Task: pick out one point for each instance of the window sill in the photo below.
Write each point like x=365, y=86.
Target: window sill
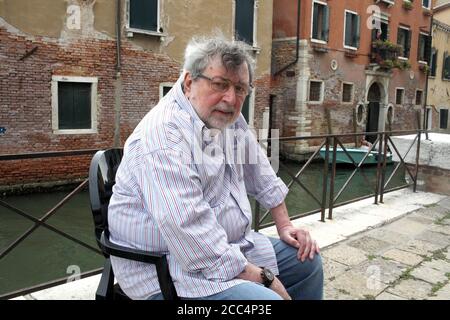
x=131, y=31
x=75, y=131
x=403, y=58
x=318, y=41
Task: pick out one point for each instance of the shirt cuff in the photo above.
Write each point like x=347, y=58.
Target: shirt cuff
x=228, y=266
x=273, y=195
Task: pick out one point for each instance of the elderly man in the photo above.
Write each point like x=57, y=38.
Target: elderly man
x=173, y=196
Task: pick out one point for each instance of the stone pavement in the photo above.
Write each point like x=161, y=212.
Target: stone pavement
x=397, y=249
x=405, y=259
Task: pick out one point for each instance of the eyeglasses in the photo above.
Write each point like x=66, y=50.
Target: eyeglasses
x=222, y=85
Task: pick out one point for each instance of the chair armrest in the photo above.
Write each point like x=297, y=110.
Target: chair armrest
x=159, y=260
x=105, y=288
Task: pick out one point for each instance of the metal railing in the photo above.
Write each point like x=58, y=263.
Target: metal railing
x=383, y=142
x=42, y=221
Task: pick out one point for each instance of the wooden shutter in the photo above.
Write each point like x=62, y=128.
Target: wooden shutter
x=315, y=33
x=427, y=55
x=357, y=30
x=326, y=23
x=348, y=29
x=244, y=20
x=443, y=118
x=444, y=65
x=408, y=43
x=74, y=105
x=144, y=14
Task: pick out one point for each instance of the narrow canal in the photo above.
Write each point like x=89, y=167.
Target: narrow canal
x=45, y=256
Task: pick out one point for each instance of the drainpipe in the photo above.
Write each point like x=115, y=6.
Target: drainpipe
x=425, y=116
x=297, y=42
x=118, y=84
x=118, y=34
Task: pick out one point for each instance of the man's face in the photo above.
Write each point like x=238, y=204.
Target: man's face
x=217, y=109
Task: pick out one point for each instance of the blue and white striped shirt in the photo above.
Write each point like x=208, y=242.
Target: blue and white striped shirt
x=193, y=206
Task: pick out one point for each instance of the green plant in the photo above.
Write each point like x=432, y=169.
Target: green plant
x=407, y=5
x=425, y=68
x=387, y=64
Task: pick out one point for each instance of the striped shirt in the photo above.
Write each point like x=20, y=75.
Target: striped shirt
x=182, y=193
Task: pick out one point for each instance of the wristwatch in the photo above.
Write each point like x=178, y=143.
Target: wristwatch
x=267, y=277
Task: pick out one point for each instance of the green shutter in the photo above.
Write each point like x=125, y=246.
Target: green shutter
x=144, y=14
x=74, y=105
x=326, y=23
x=408, y=43
x=357, y=31
x=244, y=17
x=315, y=33
x=444, y=65
x=348, y=29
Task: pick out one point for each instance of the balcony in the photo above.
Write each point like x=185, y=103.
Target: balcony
x=385, y=54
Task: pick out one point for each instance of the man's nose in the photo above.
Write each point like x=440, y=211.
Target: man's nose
x=230, y=95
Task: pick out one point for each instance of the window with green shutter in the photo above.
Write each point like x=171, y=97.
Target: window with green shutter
x=433, y=62
x=424, y=48
x=352, y=31
x=446, y=66
x=320, y=23
x=143, y=14
x=74, y=105
x=244, y=17
x=404, y=40
x=443, y=118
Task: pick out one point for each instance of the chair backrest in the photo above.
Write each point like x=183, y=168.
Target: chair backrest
x=102, y=177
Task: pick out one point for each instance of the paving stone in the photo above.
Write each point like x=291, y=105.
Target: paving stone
x=404, y=257
x=331, y=293
x=445, y=203
x=331, y=268
x=407, y=227
x=358, y=285
x=421, y=218
x=428, y=274
x=444, y=229
x=411, y=289
x=345, y=254
x=420, y=247
x=388, y=296
x=442, y=294
x=439, y=265
x=434, y=237
x=369, y=244
x=387, y=271
x=435, y=212
x=389, y=236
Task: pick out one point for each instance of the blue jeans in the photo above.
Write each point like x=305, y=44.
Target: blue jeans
x=302, y=280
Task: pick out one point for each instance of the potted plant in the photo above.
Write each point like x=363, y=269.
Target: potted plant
x=407, y=4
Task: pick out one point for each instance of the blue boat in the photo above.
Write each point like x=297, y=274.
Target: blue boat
x=356, y=154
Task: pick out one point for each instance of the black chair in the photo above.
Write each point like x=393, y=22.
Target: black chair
x=102, y=173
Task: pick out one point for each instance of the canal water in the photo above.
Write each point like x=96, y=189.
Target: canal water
x=46, y=256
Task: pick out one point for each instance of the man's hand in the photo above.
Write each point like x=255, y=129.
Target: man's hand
x=301, y=239
x=253, y=273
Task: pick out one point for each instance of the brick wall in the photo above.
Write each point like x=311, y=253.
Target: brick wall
x=25, y=99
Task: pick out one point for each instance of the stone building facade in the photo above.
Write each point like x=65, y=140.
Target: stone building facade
x=80, y=74
x=340, y=81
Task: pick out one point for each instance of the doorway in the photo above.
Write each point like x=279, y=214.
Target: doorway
x=373, y=111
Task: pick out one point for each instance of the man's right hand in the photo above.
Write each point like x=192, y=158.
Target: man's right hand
x=253, y=273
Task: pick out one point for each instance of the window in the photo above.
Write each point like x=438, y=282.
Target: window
x=74, y=104
x=351, y=35
x=404, y=40
x=164, y=88
x=347, y=92
x=424, y=48
x=418, y=97
x=426, y=3
x=399, y=94
x=143, y=15
x=244, y=20
x=320, y=23
x=443, y=118
x=433, y=62
x=446, y=67
x=382, y=33
x=315, y=91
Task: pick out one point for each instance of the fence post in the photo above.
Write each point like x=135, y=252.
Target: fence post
x=333, y=175
x=417, y=160
x=377, y=185
x=383, y=171
x=325, y=179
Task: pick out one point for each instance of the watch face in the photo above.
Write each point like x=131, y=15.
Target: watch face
x=269, y=274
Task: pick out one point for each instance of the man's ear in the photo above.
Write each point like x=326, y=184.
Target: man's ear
x=187, y=82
